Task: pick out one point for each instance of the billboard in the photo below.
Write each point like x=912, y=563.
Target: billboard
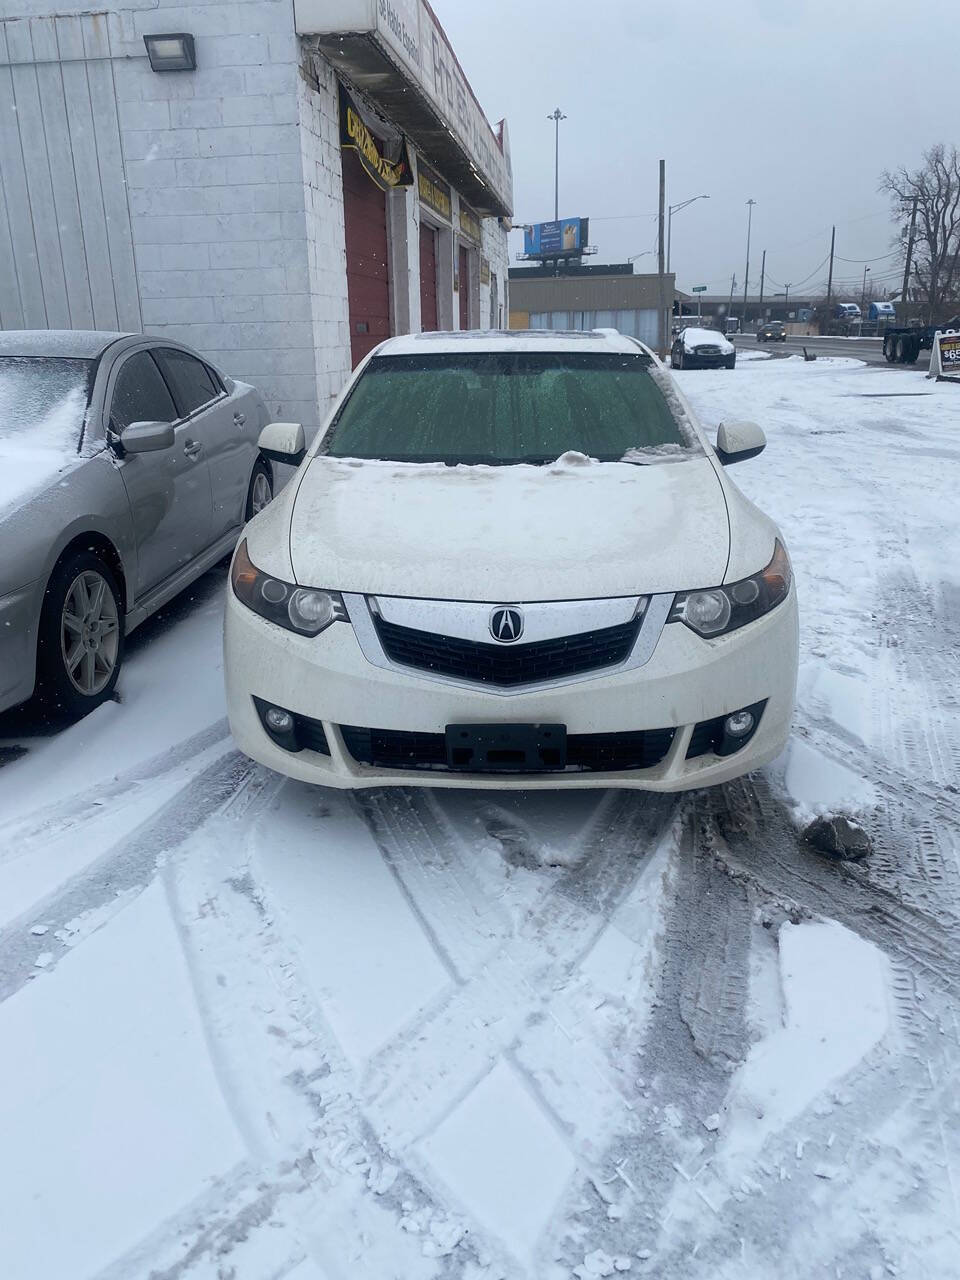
x=564, y=239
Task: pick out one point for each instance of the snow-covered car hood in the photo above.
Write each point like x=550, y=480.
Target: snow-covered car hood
x=26, y=470
x=693, y=338
x=522, y=533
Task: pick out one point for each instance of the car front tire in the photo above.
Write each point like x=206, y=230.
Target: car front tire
x=260, y=492
x=81, y=637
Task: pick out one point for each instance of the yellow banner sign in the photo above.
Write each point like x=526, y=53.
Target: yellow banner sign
x=354, y=133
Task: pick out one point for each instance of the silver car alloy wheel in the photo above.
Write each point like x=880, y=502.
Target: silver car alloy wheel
x=89, y=633
x=262, y=494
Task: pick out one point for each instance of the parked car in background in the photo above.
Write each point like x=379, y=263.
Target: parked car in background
x=846, y=312
x=772, y=331
x=702, y=349
x=627, y=617
x=128, y=465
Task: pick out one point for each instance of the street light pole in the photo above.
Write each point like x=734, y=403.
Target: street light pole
x=746, y=276
x=556, y=116
x=671, y=210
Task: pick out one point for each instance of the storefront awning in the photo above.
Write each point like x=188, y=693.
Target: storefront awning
x=398, y=55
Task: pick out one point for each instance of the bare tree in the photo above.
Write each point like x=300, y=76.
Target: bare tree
x=935, y=186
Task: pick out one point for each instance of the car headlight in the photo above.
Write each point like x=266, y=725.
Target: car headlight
x=306, y=610
x=718, y=610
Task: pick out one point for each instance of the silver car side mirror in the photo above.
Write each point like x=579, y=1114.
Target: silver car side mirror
x=147, y=437
x=283, y=442
x=737, y=441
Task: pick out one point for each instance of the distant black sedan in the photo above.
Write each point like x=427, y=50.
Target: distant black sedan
x=772, y=331
x=702, y=349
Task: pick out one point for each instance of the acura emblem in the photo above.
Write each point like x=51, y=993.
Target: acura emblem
x=506, y=624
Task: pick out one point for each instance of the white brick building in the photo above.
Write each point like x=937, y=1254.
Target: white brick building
x=218, y=206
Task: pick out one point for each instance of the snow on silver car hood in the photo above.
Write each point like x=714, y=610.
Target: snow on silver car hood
x=509, y=533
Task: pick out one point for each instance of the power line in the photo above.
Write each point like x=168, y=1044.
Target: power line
x=879, y=258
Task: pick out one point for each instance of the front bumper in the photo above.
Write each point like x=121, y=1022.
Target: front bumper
x=686, y=681
x=712, y=359
x=19, y=619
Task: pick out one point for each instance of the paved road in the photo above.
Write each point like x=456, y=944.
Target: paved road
x=868, y=349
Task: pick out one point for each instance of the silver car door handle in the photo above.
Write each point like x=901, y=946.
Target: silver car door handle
x=239, y=418
x=192, y=448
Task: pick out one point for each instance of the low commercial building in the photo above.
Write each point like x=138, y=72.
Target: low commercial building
x=279, y=185
x=607, y=296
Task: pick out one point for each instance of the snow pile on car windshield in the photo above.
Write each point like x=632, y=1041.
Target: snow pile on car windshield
x=693, y=338
x=509, y=407
x=42, y=403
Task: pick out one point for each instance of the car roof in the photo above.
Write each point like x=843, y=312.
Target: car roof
x=487, y=340
x=70, y=344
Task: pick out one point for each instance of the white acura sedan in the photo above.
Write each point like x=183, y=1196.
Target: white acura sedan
x=511, y=560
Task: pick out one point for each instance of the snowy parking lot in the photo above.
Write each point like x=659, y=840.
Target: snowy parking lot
x=254, y=1029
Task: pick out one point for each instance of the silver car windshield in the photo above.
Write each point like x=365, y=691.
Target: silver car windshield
x=43, y=399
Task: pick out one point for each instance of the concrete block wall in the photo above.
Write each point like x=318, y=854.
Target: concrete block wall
x=215, y=185
x=325, y=243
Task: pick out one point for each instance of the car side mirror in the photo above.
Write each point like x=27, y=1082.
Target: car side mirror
x=737, y=441
x=283, y=442
x=147, y=437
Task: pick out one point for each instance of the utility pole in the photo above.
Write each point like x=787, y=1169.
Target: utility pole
x=863, y=297
x=556, y=116
x=786, y=296
x=746, y=277
x=833, y=241
x=909, y=262
x=663, y=327
x=763, y=272
x=733, y=285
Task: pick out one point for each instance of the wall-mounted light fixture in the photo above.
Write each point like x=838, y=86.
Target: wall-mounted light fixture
x=173, y=52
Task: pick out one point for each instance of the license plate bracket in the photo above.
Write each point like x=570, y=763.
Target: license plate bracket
x=506, y=748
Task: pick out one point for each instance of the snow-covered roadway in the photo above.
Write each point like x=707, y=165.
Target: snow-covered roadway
x=249, y=1029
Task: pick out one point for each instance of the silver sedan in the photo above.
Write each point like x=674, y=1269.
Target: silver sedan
x=128, y=466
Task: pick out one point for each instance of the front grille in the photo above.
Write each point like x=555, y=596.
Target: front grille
x=508, y=665
x=589, y=752
x=395, y=749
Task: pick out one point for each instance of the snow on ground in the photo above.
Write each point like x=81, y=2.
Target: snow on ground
x=250, y=1029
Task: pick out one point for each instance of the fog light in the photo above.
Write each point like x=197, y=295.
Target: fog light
x=739, y=724
x=281, y=721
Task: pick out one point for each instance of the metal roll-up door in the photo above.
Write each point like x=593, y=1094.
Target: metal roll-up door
x=429, y=321
x=368, y=285
x=464, y=289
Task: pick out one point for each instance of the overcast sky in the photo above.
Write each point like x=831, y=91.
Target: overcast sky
x=799, y=104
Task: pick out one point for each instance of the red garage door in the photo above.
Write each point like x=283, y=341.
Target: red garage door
x=464, y=289
x=368, y=288
x=428, y=279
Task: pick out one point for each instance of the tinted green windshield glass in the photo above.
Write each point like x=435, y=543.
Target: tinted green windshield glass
x=504, y=407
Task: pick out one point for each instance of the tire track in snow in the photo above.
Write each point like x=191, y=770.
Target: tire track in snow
x=72, y=812
x=760, y=846
x=357, y=1210
x=421, y=1076
x=834, y=1185
x=680, y=1066
x=128, y=866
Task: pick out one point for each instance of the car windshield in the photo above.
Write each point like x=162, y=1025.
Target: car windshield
x=42, y=400
x=502, y=408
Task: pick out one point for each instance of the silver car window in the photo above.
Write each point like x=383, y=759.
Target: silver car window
x=190, y=380
x=140, y=394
